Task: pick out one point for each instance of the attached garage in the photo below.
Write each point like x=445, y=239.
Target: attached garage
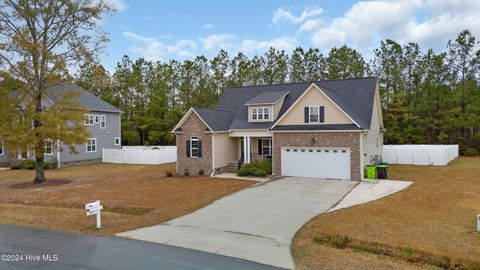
x=321, y=162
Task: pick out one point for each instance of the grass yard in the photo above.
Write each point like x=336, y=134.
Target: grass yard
x=133, y=196
x=436, y=214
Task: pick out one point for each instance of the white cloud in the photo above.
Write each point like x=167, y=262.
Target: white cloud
x=152, y=49
x=282, y=43
x=366, y=23
x=119, y=5
x=282, y=14
x=208, y=26
x=310, y=25
x=217, y=42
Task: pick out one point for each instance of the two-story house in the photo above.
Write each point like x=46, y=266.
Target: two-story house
x=325, y=129
x=102, y=119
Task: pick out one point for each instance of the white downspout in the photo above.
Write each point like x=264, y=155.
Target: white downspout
x=58, y=154
x=213, y=154
x=362, y=159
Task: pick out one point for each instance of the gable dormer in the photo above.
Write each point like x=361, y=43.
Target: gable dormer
x=314, y=107
x=265, y=106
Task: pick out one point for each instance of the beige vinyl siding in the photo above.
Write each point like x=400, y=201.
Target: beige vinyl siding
x=225, y=149
x=373, y=139
x=270, y=107
x=314, y=97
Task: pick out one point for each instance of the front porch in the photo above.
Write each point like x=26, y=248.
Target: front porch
x=246, y=149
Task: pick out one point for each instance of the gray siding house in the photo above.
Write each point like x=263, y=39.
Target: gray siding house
x=102, y=120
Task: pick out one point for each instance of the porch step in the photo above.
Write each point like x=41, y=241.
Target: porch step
x=231, y=167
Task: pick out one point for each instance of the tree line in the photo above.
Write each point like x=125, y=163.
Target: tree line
x=427, y=96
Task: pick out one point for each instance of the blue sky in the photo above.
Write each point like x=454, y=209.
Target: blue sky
x=162, y=30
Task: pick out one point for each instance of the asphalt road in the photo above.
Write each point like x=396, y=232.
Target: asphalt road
x=32, y=248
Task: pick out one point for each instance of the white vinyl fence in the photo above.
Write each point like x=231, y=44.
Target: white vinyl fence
x=420, y=154
x=140, y=155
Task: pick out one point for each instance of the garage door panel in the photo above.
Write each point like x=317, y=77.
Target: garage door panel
x=316, y=162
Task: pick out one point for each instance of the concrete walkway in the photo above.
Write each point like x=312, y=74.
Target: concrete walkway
x=235, y=176
x=370, y=191
x=255, y=224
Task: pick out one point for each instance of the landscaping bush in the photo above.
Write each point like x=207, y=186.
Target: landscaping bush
x=470, y=152
x=201, y=172
x=264, y=165
x=29, y=164
x=16, y=167
x=243, y=172
x=51, y=164
x=252, y=170
x=260, y=173
x=169, y=174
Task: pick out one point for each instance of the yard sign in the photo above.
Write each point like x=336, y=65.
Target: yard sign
x=94, y=209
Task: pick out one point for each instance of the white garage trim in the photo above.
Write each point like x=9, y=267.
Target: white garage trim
x=320, y=162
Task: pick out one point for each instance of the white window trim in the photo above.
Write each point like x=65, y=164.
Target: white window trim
x=104, y=121
x=91, y=140
x=117, y=141
x=191, y=147
x=97, y=119
x=87, y=120
x=258, y=114
x=51, y=149
x=310, y=114
x=2, y=152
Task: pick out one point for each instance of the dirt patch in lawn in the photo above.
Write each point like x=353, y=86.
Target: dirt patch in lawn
x=134, y=196
x=50, y=183
x=436, y=214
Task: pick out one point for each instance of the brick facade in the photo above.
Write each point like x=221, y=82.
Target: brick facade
x=193, y=126
x=322, y=139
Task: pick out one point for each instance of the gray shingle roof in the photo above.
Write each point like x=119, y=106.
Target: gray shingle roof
x=267, y=98
x=85, y=99
x=215, y=119
x=354, y=96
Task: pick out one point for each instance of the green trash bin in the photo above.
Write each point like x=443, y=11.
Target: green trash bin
x=371, y=172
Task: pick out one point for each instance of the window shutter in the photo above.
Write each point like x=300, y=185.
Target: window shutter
x=188, y=148
x=322, y=114
x=307, y=115
x=199, y=148
x=260, y=147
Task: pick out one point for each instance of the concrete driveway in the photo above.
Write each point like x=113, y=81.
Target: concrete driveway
x=255, y=224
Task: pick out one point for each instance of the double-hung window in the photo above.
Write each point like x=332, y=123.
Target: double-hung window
x=103, y=121
x=48, y=148
x=117, y=140
x=314, y=114
x=266, y=146
x=194, y=147
x=89, y=119
x=254, y=114
x=97, y=118
x=91, y=145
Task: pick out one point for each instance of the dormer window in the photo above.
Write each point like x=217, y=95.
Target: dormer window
x=262, y=113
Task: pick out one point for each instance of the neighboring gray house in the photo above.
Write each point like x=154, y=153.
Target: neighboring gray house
x=102, y=120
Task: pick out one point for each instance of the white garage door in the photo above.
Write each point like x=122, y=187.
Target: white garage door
x=316, y=162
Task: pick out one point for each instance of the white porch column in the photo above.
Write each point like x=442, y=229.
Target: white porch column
x=246, y=149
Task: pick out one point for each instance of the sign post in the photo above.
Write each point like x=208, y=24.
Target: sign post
x=94, y=209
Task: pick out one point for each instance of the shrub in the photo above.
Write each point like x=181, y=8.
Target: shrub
x=201, y=172
x=470, y=152
x=260, y=173
x=51, y=164
x=169, y=174
x=16, y=167
x=29, y=164
x=264, y=165
x=252, y=170
x=243, y=172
